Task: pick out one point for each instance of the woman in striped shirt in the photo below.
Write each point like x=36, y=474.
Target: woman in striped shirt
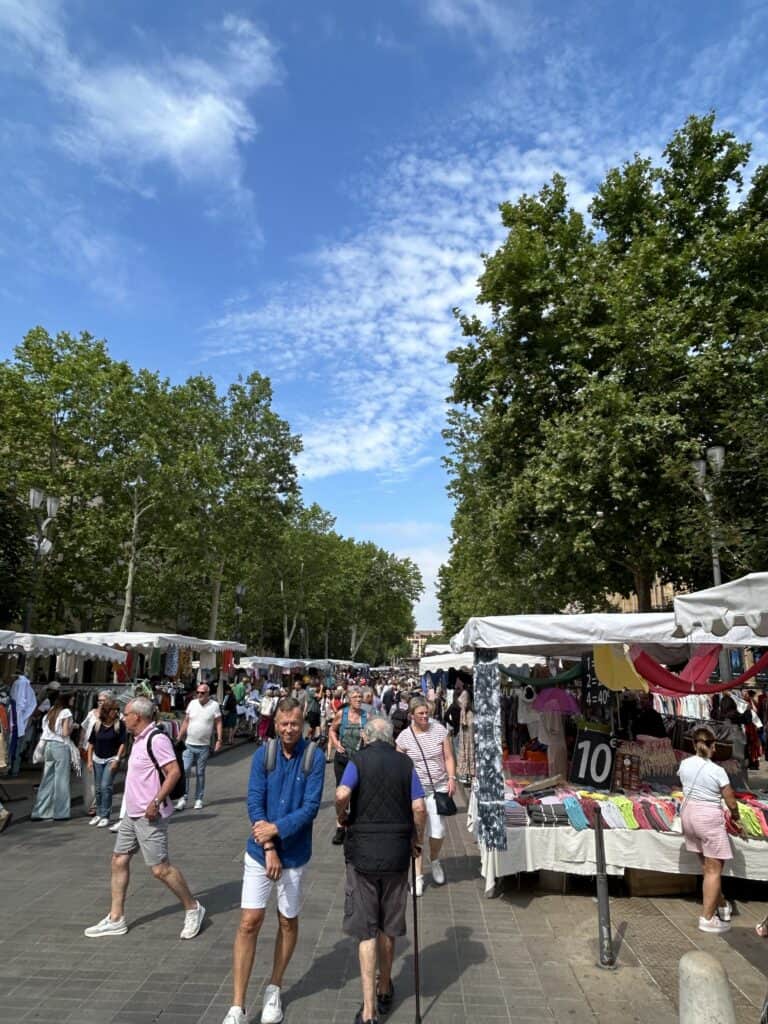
x=429, y=746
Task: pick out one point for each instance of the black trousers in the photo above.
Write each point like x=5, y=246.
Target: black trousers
x=339, y=764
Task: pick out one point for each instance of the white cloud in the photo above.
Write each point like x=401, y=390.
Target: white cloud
x=186, y=112
x=509, y=25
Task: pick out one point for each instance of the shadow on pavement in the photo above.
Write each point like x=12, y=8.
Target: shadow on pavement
x=440, y=964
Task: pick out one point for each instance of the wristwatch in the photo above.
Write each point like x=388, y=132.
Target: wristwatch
x=268, y=848
x=156, y=802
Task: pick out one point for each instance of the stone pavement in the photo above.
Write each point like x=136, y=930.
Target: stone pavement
x=525, y=956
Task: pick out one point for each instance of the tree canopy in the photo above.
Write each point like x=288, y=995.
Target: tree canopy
x=615, y=350
x=179, y=509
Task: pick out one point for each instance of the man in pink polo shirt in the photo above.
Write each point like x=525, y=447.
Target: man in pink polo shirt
x=145, y=825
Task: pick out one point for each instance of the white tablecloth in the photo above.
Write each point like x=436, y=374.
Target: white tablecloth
x=565, y=849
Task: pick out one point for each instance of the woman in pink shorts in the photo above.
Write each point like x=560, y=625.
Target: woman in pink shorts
x=705, y=786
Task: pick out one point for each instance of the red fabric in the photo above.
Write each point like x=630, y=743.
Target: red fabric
x=702, y=664
x=227, y=662
x=663, y=681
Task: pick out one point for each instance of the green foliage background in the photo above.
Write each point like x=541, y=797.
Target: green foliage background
x=615, y=350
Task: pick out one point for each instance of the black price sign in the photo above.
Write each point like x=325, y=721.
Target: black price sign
x=595, y=696
x=593, y=757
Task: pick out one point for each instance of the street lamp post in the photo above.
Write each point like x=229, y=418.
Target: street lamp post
x=41, y=543
x=712, y=465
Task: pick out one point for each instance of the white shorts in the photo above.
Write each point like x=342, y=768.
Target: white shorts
x=435, y=825
x=257, y=887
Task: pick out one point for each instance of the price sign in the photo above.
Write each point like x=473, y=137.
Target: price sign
x=596, y=698
x=593, y=757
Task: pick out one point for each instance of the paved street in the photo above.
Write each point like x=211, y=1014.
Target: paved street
x=522, y=957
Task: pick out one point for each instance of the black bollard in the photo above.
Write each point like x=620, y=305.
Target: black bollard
x=605, y=939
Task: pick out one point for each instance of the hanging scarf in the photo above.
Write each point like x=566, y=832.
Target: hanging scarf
x=662, y=680
x=564, y=677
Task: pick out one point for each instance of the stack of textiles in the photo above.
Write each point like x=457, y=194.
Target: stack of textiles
x=514, y=813
x=549, y=814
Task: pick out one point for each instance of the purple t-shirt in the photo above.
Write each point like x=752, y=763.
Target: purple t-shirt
x=350, y=779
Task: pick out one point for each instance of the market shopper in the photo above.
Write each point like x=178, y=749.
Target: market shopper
x=381, y=799
x=106, y=748
x=53, y=795
x=705, y=784
x=429, y=747
x=145, y=825
x=86, y=727
x=284, y=793
x=345, y=736
x=202, y=717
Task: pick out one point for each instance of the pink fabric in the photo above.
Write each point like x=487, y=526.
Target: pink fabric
x=702, y=664
x=142, y=783
x=704, y=830
x=668, y=684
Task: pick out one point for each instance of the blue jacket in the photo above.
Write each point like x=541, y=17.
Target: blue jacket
x=288, y=799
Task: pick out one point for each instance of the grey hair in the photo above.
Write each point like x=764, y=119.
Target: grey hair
x=417, y=702
x=143, y=707
x=106, y=693
x=378, y=728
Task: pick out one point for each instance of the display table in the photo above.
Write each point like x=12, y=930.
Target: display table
x=565, y=849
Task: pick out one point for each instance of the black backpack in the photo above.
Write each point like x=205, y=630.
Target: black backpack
x=270, y=756
x=399, y=719
x=180, y=788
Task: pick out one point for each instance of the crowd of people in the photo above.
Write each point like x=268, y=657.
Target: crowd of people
x=389, y=785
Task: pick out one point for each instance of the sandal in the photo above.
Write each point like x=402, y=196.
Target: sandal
x=762, y=929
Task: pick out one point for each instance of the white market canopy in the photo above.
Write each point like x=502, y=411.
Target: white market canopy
x=742, y=602
x=257, y=661
x=138, y=641
x=6, y=638
x=42, y=644
x=437, y=649
x=573, y=635
x=465, y=660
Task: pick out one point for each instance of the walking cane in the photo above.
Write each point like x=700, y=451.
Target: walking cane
x=416, y=982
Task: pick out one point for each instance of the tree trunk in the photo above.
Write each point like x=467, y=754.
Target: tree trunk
x=127, y=618
x=213, y=622
x=356, y=642
x=643, y=591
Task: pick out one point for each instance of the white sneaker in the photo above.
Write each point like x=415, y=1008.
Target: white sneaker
x=198, y=805
x=106, y=927
x=103, y=822
x=193, y=920
x=236, y=1015
x=419, y=886
x=115, y=827
x=438, y=874
x=272, y=1009
x=714, y=925
x=725, y=913
x=181, y=804
x=94, y=820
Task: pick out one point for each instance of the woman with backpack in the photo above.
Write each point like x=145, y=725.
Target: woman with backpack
x=346, y=737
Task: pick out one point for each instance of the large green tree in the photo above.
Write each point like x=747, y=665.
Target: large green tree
x=615, y=350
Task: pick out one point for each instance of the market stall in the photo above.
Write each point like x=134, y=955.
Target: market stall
x=552, y=829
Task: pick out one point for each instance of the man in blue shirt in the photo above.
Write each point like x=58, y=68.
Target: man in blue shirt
x=283, y=802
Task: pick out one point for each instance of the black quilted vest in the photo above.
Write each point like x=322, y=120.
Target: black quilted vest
x=378, y=840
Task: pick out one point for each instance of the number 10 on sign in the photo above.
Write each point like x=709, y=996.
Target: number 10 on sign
x=593, y=756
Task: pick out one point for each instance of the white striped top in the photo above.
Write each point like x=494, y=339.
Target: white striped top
x=431, y=743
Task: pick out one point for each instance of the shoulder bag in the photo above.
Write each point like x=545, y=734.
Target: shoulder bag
x=443, y=801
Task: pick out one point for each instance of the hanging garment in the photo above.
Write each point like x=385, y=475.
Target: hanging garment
x=661, y=678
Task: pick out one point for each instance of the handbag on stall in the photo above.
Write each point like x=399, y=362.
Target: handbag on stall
x=444, y=803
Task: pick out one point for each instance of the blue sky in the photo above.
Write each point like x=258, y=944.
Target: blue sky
x=304, y=188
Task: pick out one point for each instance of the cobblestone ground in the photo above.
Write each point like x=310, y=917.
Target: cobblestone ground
x=525, y=956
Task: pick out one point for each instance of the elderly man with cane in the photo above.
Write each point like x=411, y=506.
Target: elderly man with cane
x=381, y=801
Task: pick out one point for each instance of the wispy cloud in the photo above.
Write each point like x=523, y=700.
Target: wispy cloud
x=508, y=24
x=187, y=112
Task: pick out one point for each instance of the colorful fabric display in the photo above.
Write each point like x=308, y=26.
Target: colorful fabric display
x=624, y=805
x=548, y=814
x=661, y=678
x=514, y=814
x=612, y=816
x=615, y=670
x=576, y=815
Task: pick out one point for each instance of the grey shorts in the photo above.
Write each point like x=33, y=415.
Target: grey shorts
x=374, y=903
x=151, y=837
